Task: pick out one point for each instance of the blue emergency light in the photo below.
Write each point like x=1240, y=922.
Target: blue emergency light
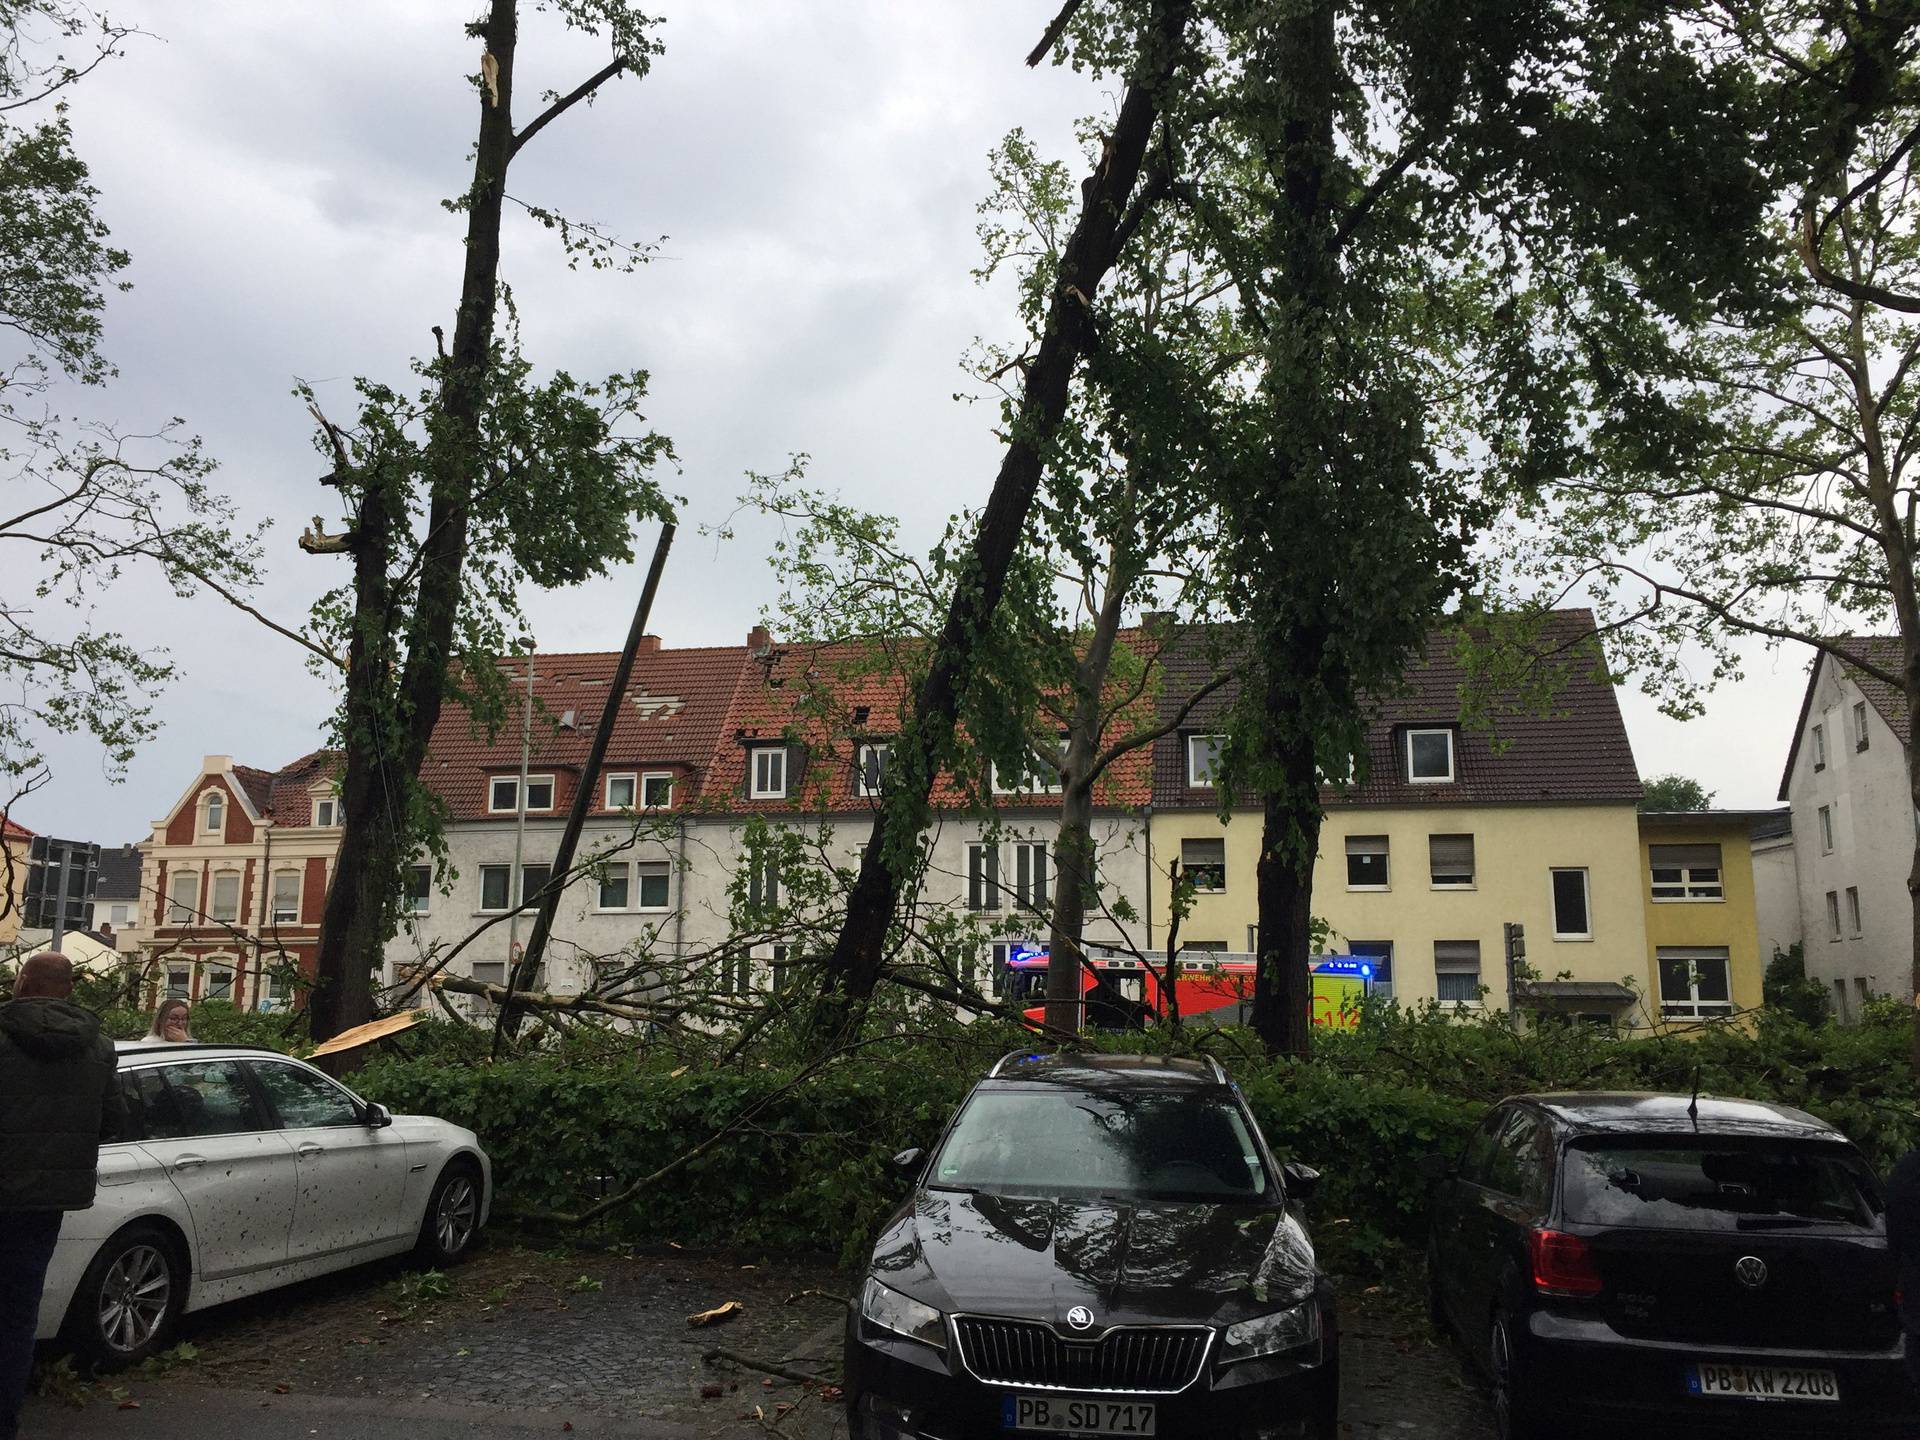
x=1337, y=966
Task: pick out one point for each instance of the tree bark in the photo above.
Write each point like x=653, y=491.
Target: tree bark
x=1283, y=882
x=1098, y=235
x=383, y=762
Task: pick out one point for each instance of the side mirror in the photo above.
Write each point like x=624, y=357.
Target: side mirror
x=377, y=1117
x=908, y=1162
x=1435, y=1168
x=1302, y=1180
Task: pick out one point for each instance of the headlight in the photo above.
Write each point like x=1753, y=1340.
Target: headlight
x=1287, y=1329
x=891, y=1310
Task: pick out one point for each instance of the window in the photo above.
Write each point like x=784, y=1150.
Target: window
x=1030, y=890
x=1380, y=954
x=326, y=813
x=184, y=898
x=1366, y=862
x=783, y=968
x=1859, y=724
x=179, y=980
x=1456, y=971
x=1036, y=777
x=653, y=884
x=216, y=981
x=1571, y=917
x=736, y=974
x=870, y=768
x=1833, y=915
x=1853, y=909
x=490, y=972
x=210, y=1098
x=1451, y=859
x=621, y=791
x=286, y=897
x=613, y=887
x=1693, y=984
x=495, y=886
x=1430, y=757
x=1204, y=862
x=216, y=814
x=763, y=881
x=1203, y=759
x=540, y=792
x=983, y=877
x=419, y=888
x=1826, y=830
x=1840, y=1001
x=272, y=992
x=122, y=915
x=1819, y=747
x=503, y=794
x=656, y=790
x=1685, y=872
x=226, y=896
x=768, y=768
x=304, y=1100
x=1862, y=991
x=533, y=879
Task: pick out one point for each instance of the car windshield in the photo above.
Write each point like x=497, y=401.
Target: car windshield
x=1692, y=1185
x=1136, y=1145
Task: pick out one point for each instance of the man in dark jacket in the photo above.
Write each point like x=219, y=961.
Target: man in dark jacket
x=58, y=1099
x=1903, y=1238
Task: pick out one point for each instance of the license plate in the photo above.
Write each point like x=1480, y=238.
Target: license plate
x=1761, y=1382
x=1076, y=1415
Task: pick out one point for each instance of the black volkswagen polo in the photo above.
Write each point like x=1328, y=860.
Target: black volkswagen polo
x=1100, y=1245
x=1654, y=1261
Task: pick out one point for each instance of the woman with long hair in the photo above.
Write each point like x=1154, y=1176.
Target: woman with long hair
x=170, y=1022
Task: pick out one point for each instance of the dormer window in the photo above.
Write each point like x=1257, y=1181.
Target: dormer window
x=767, y=772
x=1430, y=757
x=1203, y=759
x=1037, y=777
x=216, y=814
x=326, y=812
x=503, y=793
x=870, y=769
x=656, y=790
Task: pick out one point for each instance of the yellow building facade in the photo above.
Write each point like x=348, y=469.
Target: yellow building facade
x=1703, y=934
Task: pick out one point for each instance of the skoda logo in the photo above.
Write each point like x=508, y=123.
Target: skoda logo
x=1081, y=1318
x=1750, y=1271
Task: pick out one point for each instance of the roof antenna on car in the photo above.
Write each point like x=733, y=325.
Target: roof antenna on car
x=1693, y=1105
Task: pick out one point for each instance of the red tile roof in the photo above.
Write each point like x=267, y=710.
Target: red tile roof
x=674, y=710
x=1575, y=751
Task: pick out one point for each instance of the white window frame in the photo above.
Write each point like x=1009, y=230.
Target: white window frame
x=861, y=753
x=1187, y=868
x=647, y=777
x=1032, y=884
x=644, y=869
x=620, y=870
x=213, y=896
x=272, y=994
x=1030, y=784
x=1386, y=852
x=1853, y=911
x=1472, y=882
x=1819, y=747
x=1195, y=780
x=1687, y=884
x=1826, y=829
x=120, y=915
x=213, y=813
x=632, y=780
x=191, y=908
x=426, y=896
x=480, y=902
x=494, y=807
x=171, y=966
x=1453, y=759
x=326, y=811
x=1860, y=722
x=1833, y=916
x=1479, y=974
x=1553, y=900
x=774, y=787
x=1693, y=1007
x=553, y=794
x=207, y=965
x=273, y=897
x=991, y=897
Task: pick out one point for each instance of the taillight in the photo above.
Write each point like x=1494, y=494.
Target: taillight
x=1562, y=1264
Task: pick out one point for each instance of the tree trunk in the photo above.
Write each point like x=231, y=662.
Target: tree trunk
x=853, y=968
x=381, y=771
x=1289, y=843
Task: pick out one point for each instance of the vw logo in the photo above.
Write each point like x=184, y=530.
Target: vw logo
x=1750, y=1271
x=1081, y=1318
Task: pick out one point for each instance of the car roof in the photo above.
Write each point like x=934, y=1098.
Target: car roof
x=1628, y=1112
x=1097, y=1071
x=144, y=1048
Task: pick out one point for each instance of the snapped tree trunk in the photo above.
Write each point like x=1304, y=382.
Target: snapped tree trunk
x=383, y=761
x=1108, y=216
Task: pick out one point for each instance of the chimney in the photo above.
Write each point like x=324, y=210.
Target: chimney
x=759, y=641
x=649, y=645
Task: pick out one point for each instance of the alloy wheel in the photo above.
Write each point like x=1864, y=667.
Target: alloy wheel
x=134, y=1296
x=1501, y=1364
x=454, y=1217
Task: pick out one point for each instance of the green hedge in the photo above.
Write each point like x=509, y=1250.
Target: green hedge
x=811, y=1171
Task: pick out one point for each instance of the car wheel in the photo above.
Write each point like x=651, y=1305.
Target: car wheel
x=130, y=1298
x=1513, y=1413
x=452, y=1222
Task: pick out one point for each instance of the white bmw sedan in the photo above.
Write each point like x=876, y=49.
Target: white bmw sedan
x=243, y=1170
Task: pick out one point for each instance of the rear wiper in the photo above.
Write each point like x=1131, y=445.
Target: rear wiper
x=1772, y=1222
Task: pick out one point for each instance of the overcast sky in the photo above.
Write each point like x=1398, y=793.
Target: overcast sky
x=277, y=172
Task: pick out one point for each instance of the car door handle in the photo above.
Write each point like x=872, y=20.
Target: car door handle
x=189, y=1162
x=307, y=1149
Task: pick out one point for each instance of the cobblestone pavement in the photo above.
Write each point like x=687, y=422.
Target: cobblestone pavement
x=590, y=1339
